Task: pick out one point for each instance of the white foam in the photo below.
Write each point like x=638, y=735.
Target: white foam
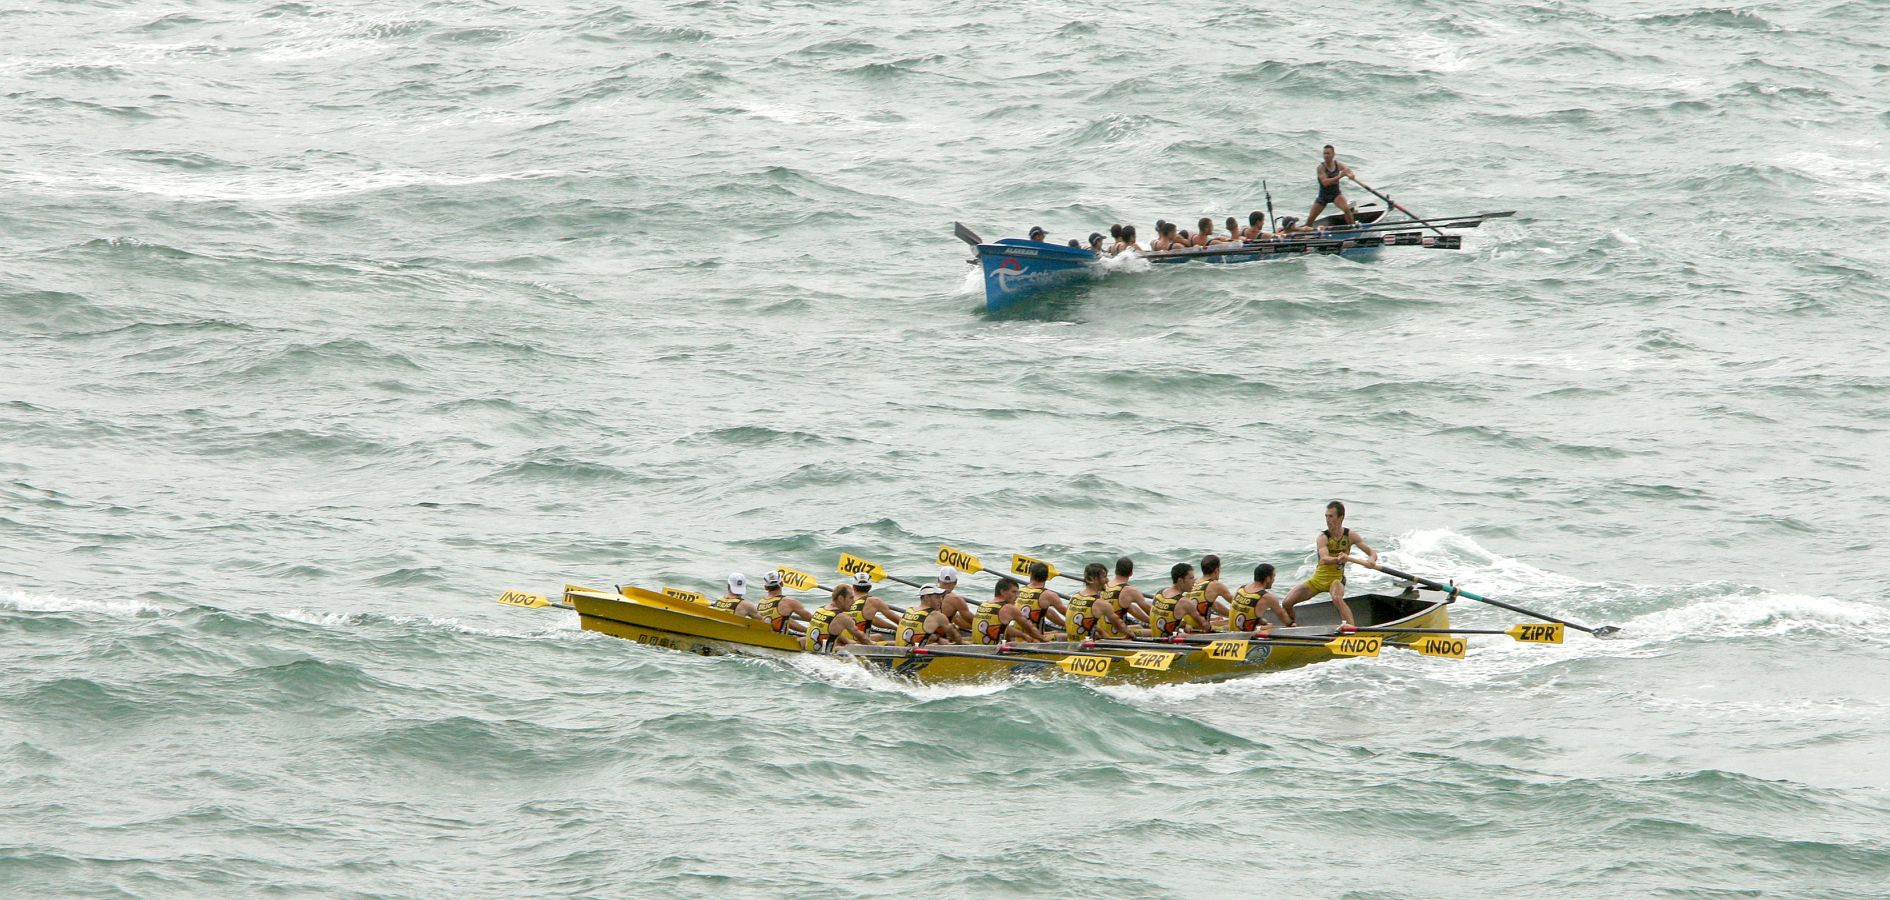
x=110, y=606
x=853, y=675
x=973, y=282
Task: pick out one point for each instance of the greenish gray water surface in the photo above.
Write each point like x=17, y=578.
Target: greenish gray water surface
x=323, y=324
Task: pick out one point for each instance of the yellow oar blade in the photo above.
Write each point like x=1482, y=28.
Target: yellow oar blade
x=1438, y=645
x=520, y=598
x=1356, y=645
x=958, y=559
x=686, y=596
x=1235, y=650
x=853, y=565
x=1153, y=659
x=797, y=579
x=1088, y=666
x=1020, y=565
x=1544, y=633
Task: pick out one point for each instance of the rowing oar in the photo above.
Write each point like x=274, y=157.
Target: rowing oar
x=1388, y=202
x=1092, y=665
x=1528, y=634
x=1605, y=631
x=1020, y=564
x=854, y=565
x=530, y=601
x=1273, y=224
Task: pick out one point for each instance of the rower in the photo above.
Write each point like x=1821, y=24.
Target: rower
x=1233, y=233
x=1036, y=233
x=1211, y=597
x=1036, y=600
x=998, y=619
x=953, y=604
x=1166, y=238
x=1128, y=240
x=736, y=600
x=1096, y=242
x=832, y=626
x=1204, y=232
x=1164, y=620
x=1125, y=597
x=925, y=622
x=1256, y=229
x=1253, y=599
x=1090, y=614
x=1330, y=173
x=1334, y=546
x=784, y=614
x=870, y=611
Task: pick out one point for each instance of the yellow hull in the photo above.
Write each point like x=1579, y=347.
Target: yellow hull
x=647, y=617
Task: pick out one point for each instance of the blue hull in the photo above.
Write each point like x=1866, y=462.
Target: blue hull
x=1015, y=269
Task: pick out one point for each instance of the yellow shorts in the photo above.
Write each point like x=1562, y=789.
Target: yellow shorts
x=1322, y=582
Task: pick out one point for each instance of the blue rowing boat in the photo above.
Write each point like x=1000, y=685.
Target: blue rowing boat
x=1016, y=269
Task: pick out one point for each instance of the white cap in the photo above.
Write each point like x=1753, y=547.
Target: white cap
x=771, y=580
x=737, y=585
x=862, y=580
x=947, y=573
x=931, y=590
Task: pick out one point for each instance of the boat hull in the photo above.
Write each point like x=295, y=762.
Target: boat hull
x=1016, y=270
x=646, y=617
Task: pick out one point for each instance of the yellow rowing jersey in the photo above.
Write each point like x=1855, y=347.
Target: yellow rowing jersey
x=1244, y=615
x=988, y=622
x=1163, y=620
x=1335, y=546
x=911, y=631
x=1203, y=604
x=1030, y=603
x=727, y=604
x=818, y=639
x=1080, y=619
x=770, y=612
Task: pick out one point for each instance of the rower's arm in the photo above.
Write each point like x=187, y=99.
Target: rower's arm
x=1319, y=547
x=1370, y=554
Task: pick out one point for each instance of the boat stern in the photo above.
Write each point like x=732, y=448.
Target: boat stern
x=1015, y=269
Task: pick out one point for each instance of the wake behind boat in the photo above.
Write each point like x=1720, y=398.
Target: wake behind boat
x=1016, y=269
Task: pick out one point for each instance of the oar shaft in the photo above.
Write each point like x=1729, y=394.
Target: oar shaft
x=1459, y=592
x=1388, y=202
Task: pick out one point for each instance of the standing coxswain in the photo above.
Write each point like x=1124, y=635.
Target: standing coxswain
x=832, y=625
x=1330, y=172
x=1254, y=599
x=1037, y=601
x=1334, y=547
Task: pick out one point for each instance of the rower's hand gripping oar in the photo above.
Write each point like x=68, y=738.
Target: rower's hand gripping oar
x=1604, y=631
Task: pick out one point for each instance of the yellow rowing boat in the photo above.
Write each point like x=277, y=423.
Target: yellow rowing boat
x=1396, y=620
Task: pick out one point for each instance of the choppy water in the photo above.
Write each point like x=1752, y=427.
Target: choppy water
x=324, y=323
